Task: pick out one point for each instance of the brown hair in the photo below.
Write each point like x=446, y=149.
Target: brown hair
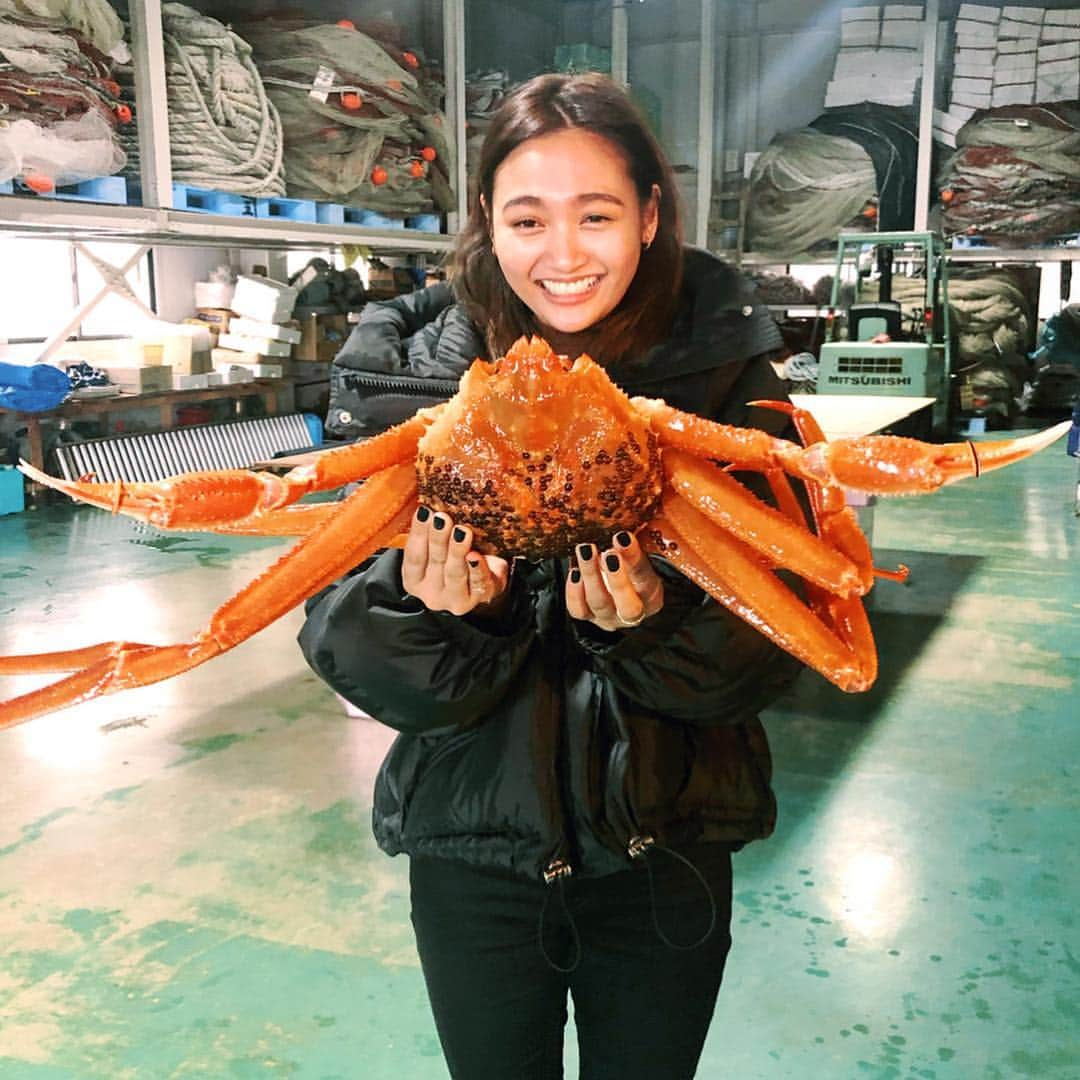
x=546, y=104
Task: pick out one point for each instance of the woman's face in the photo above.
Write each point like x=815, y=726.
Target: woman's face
x=567, y=227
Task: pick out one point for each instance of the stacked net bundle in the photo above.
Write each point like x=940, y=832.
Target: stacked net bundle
x=224, y=133
x=852, y=168
x=484, y=93
x=1015, y=176
x=60, y=105
x=990, y=315
x=361, y=118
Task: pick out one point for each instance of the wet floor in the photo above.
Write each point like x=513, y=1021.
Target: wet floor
x=188, y=887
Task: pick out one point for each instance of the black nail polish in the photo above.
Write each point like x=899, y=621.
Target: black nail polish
x=439, y=522
x=575, y=575
x=459, y=534
x=422, y=514
x=612, y=562
x=584, y=552
x=622, y=539
x=473, y=561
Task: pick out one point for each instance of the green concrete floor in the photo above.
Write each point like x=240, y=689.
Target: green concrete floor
x=188, y=887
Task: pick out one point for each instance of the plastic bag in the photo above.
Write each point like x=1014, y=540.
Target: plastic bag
x=67, y=153
x=32, y=387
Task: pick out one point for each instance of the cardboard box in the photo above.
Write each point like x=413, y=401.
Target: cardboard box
x=321, y=337
x=216, y=318
x=141, y=380
x=263, y=299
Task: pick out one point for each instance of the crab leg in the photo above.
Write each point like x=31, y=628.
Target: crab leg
x=364, y=522
x=201, y=501
x=743, y=582
x=877, y=464
x=772, y=534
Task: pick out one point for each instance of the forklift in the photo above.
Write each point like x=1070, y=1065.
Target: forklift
x=875, y=348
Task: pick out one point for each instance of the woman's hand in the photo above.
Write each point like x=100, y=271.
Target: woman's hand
x=614, y=589
x=442, y=571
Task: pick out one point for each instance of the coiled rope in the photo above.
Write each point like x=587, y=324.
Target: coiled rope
x=224, y=132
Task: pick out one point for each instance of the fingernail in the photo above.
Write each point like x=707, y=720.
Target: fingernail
x=575, y=576
x=439, y=522
x=612, y=562
x=584, y=552
x=422, y=514
x=459, y=534
x=473, y=561
x=623, y=539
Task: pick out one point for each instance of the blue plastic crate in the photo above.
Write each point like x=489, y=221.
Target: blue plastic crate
x=286, y=209
x=6, y=187
x=12, y=497
x=424, y=222
x=204, y=201
x=372, y=220
x=330, y=213
x=102, y=189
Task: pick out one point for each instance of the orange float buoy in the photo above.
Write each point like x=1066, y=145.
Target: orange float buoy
x=379, y=175
x=428, y=153
x=352, y=101
x=346, y=24
x=410, y=59
x=417, y=169
x=39, y=182
x=948, y=195
x=123, y=113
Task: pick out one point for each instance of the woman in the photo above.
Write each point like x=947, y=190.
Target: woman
x=579, y=750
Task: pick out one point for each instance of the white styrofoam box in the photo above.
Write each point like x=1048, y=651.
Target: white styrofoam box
x=268, y=371
x=946, y=138
x=1064, y=87
x=972, y=86
x=262, y=346
x=1065, y=51
x=251, y=328
x=902, y=11
x=1022, y=13
x=1013, y=28
x=1019, y=72
x=854, y=63
x=858, y=14
x=897, y=64
x=979, y=12
x=961, y=112
x=968, y=30
x=907, y=33
x=234, y=373
x=975, y=56
x=966, y=97
x=214, y=294
x=190, y=382
x=214, y=378
x=1054, y=68
x=1061, y=33
x=1062, y=18
x=1016, y=46
x=263, y=299
x=859, y=33
x=948, y=121
x=973, y=69
x=1018, y=94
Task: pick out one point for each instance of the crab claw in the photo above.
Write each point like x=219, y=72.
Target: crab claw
x=189, y=501
x=889, y=465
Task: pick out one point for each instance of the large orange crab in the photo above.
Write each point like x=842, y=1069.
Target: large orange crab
x=539, y=453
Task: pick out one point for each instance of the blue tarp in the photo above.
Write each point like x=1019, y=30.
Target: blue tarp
x=32, y=387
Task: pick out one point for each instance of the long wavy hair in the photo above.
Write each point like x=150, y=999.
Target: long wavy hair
x=541, y=106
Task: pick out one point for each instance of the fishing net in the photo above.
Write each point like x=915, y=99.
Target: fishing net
x=360, y=118
x=852, y=168
x=224, y=133
x=1015, y=176
x=60, y=105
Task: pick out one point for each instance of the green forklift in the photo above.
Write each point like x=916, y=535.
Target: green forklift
x=875, y=347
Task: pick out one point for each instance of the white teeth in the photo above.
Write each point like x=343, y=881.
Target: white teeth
x=569, y=288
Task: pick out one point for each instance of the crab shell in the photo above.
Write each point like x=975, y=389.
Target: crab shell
x=537, y=454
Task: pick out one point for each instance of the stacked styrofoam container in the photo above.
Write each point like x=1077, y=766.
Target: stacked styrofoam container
x=257, y=344
x=1010, y=55
x=880, y=55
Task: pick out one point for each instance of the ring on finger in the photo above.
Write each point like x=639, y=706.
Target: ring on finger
x=631, y=622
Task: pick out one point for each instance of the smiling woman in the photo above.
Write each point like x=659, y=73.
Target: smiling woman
x=579, y=750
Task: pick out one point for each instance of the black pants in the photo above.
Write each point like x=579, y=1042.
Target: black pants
x=642, y=1008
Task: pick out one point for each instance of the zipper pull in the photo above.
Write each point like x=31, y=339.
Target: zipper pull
x=639, y=845
x=557, y=870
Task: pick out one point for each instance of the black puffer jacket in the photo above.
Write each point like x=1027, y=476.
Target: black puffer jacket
x=543, y=741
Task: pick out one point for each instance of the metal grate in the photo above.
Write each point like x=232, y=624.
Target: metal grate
x=870, y=365
x=159, y=454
